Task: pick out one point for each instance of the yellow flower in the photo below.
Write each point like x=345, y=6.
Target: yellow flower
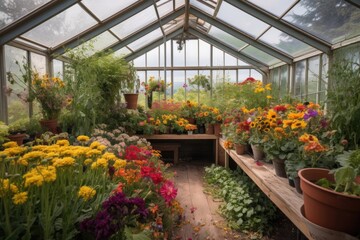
x=269, y=97
x=62, y=142
x=298, y=124
x=287, y=123
x=10, y=144
x=268, y=86
x=83, y=138
x=101, y=162
x=101, y=147
x=94, y=144
x=62, y=162
x=39, y=174
x=294, y=115
x=109, y=156
x=22, y=161
x=93, y=152
x=20, y=198
x=120, y=163
x=271, y=114
x=86, y=193
x=308, y=138
x=34, y=155
x=6, y=186
x=88, y=161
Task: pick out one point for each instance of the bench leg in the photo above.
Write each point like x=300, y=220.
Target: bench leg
x=176, y=156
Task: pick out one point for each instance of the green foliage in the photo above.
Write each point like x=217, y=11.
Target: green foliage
x=344, y=101
x=246, y=207
x=19, y=126
x=201, y=81
x=4, y=131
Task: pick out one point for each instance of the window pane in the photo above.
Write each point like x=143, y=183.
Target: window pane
x=61, y=27
x=226, y=38
x=179, y=3
x=218, y=76
x=300, y=79
x=260, y=55
x=218, y=57
x=313, y=77
x=283, y=80
x=105, y=8
x=122, y=52
x=38, y=63
x=285, y=42
x=332, y=21
x=278, y=7
x=137, y=22
x=145, y=40
x=179, y=87
x=323, y=78
x=178, y=55
x=192, y=55
x=192, y=90
x=255, y=74
x=230, y=76
x=248, y=23
x=164, y=7
x=58, y=68
x=204, y=53
x=17, y=107
x=276, y=79
x=202, y=6
x=153, y=58
x=243, y=74
x=140, y=61
x=230, y=60
x=12, y=10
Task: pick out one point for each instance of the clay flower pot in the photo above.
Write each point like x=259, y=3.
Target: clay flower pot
x=18, y=138
x=240, y=149
x=327, y=208
x=131, y=100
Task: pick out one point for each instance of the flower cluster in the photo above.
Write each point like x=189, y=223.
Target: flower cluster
x=208, y=115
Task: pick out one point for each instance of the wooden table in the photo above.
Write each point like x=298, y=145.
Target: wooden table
x=187, y=137
x=276, y=188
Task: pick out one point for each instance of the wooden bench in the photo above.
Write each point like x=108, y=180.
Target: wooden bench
x=170, y=147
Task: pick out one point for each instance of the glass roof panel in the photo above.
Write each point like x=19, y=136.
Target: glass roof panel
x=135, y=23
x=11, y=10
x=277, y=8
x=260, y=55
x=332, y=21
x=122, y=52
x=285, y=43
x=61, y=27
x=179, y=3
x=203, y=7
x=164, y=7
x=170, y=27
x=106, y=8
x=248, y=24
x=97, y=43
x=226, y=38
x=145, y=40
x=30, y=43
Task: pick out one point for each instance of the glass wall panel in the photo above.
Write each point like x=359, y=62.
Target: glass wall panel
x=241, y=63
x=218, y=57
x=153, y=58
x=300, y=68
x=243, y=74
x=259, y=55
x=313, y=78
x=137, y=22
x=285, y=42
x=218, y=76
x=202, y=7
x=277, y=8
x=169, y=83
x=168, y=53
x=140, y=61
x=18, y=108
x=323, y=79
x=164, y=7
x=178, y=55
x=58, y=68
x=230, y=76
x=122, y=52
x=145, y=40
x=226, y=38
x=12, y=10
x=141, y=97
x=179, y=3
x=61, y=27
x=255, y=74
x=205, y=50
x=230, y=60
x=179, y=85
x=192, y=91
x=275, y=81
x=38, y=63
x=332, y=21
x=105, y=8
x=283, y=80
x=249, y=24
x=161, y=55
x=192, y=55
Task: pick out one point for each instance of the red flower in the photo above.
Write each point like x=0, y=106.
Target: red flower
x=168, y=191
x=133, y=152
x=156, y=177
x=280, y=108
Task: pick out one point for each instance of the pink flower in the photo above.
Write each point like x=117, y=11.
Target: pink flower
x=168, y=191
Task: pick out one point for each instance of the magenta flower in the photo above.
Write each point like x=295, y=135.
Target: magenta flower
x=168, y=191
x=185, y=85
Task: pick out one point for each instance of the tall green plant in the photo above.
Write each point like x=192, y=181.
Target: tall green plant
x=344, y=100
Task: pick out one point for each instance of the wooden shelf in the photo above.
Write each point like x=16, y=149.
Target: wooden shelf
x=180, y=136
x=276, y=188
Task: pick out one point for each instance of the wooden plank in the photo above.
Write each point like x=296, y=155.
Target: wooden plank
x=179, y=136
x=277, y=189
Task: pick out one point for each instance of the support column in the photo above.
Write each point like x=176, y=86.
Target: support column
x=3, y=99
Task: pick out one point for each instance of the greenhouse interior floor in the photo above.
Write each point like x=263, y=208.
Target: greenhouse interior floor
x=201, y=217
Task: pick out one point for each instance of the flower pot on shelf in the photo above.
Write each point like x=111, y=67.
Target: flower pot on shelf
x=279, y=165
x=217, y=129
x=258, y=152
x=327, y=208
x=190, y=132
x=49, y=125
x=131, y=100
x=240, y=149
x=209, y=128
x=18, y=138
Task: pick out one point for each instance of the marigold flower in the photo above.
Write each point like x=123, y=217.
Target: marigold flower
x=314, y=147
x=86, y=192
x=119, y=163
x=10, y=144
x=83, y=138
x=294, y=115
x=62, y=142
x=305, y=138
x=298, y=124
x=62, y=162
x=20, y=198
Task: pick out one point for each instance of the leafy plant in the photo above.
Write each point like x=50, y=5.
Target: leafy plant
x=200, y=81
x=4, y=131
x=246, y=207
x=19, y=126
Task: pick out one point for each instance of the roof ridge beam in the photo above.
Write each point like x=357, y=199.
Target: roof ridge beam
x=279, y=24
x=154, y=44
x=230, y=30
x=354, y=2
x=147, y=29
x=260, y=66
x=34, y=19
x=101, y=27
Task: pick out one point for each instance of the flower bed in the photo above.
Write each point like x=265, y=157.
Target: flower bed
x=93, y=189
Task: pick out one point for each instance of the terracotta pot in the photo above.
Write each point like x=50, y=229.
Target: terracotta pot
x=190, y=120
x=258, y=152
x=209, y=129
x=240, y=149
x=279, y=165
x=217, y=129
x=18, y=138
x=49, y=125
x=131, y=100
x=326, y=207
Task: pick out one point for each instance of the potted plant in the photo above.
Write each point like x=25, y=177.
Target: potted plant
x=332, y=197
x=4, y=131
x=131, y=86
x=154, y=85
x=200, y=81
x=17, y=131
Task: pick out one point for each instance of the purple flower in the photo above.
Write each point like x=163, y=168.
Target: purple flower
x=310, y=114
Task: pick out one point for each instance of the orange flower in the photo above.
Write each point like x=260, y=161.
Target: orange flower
x=314, y=147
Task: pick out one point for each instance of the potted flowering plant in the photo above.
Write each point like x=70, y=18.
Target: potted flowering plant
x=179, y=125
x=190, y=128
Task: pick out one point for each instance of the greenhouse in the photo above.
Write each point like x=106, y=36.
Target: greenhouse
x=180, y=119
